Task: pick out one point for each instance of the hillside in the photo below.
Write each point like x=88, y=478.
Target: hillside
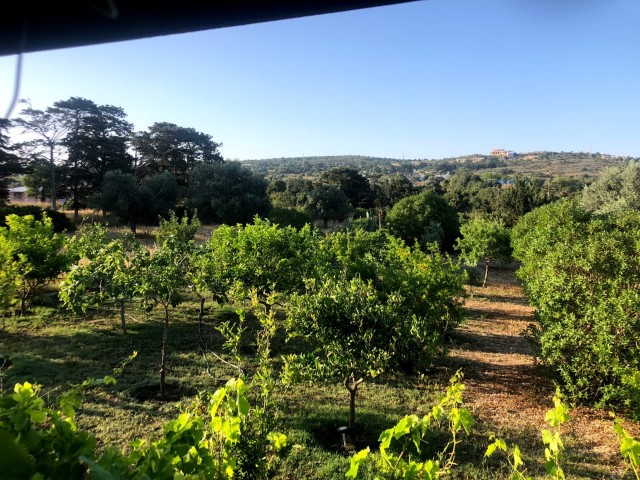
x=533, y=164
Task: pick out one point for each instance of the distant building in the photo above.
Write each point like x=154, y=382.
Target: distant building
x=501, y=152
x=19, y=195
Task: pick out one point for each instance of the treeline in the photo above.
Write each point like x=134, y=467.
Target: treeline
x=90, y=156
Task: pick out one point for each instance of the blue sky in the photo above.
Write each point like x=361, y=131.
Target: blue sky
x=428, y=79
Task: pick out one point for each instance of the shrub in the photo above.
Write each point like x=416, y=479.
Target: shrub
x=582, y=272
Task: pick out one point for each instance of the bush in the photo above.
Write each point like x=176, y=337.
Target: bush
x=59, y=220
x=582, y=272
x=429, y=287
x=289, y=217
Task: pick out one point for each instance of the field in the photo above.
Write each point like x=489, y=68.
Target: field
x=506, y=390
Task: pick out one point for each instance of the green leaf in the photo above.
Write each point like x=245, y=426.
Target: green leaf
x=15, y=462
x=243, y=405
x=355, y=463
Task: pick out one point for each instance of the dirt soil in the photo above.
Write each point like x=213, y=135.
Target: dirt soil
x=506, y=389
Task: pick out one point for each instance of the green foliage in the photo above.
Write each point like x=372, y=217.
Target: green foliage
x=424, y=218
x=214, y=437
x=355, y=186
x=96, y=141
x=90, y=238
x=289, y=217
x=484, y=239
x=400, y=455
x=59, y=220
x=427, y=286
x=514, y=457
x=327, y=202
x=554, y=445
x=349, y=330
x=9, y=278
x=552, y=440
x=164, y=275
x=37, y=253
x=581, y=273
x=112, y=273
x=9, y=162
x=384, y=306
x=121, y=195
x=177, y=150
x=389, y=191
x=616, y=189
x=261, y=256
x=629, y=448
x=517, y=200
x=226, y=193
x=205, y=441
x=41, y=441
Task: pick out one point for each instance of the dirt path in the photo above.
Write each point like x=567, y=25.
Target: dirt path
x=507, y=391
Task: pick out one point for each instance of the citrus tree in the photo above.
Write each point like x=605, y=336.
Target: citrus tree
x=112, y=274
x=165, y=274
x=261, y=256
x=38, y=253
x=484, y=240
x=581, y=272
x=427, y=285
x=350, y=332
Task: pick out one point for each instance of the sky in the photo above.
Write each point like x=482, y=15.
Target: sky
x=422, y=80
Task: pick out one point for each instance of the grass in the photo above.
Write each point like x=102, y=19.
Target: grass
x=54, y=350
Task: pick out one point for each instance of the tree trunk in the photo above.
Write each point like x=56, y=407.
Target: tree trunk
x=352, y=386
x=23, y=300
x=200, y=315
x=486, y=272
x=53, y=179
x=163, y=356
x=122, y=320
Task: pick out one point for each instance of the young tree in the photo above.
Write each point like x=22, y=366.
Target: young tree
x=111, y=274
x=428, y=286
x=262, y=257
x=581, y=271
x=165, y=274
x=38, y=252
x=9, y=278
x=484, y=239
x=349, y=330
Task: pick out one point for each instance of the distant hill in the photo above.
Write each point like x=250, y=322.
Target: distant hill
x=533, y=164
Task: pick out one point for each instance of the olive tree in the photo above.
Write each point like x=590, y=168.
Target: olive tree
x=424, y=218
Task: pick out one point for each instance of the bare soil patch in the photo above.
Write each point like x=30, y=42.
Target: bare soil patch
x=507, y=390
